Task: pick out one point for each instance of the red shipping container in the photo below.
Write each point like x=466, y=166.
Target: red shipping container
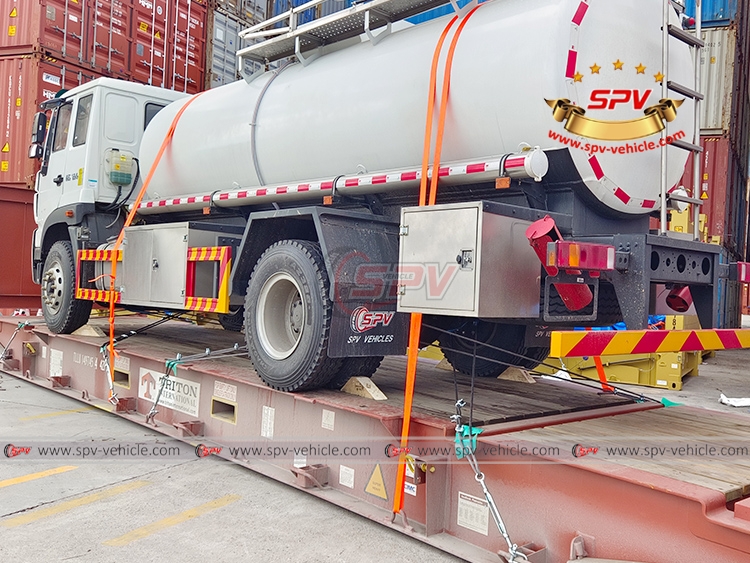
x=188, y=56
x=17, y=290
x=722, y=189
x=30, y=80
x=148, y=62
x=56, y=28
x=110, y=41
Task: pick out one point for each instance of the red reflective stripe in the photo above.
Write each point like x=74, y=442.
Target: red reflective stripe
x=596, y=167
x=351, y=182
x=444, y=171
x=622, y=196
x=224, y=196
x=729, y=339
x=281, y=190
x=692, y=343
x=162, y=203
x=326, y=186
x=303, y=188
x=382, y=179
x=407, y=176
x=515, y=162
x=261, y=192
x=580, y=12
x=241, y=195
x=570, y=71
x=474, y=168
x=649, y=203
x=191, y=200
x=176, y=201
x=592, y=344
x=650, y=342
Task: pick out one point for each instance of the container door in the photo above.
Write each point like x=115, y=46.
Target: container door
x=50, y=185
x=110, y=45
x=148, y=61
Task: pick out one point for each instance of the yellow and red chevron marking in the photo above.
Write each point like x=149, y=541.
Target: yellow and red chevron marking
x=98, y=255
x=565, y=344
x=95, y=295
x=203, y=304
x=208, y=253
x=223, y=255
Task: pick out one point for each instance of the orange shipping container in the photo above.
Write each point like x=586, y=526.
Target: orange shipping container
x=29, y=80
x=17, y=290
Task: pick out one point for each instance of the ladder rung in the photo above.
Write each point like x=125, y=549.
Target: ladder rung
x=684, y=90
x=684, y=145
x=686, y=199
x=685, y=37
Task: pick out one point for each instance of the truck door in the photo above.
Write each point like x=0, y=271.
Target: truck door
x=50, y=182
x=75, y=159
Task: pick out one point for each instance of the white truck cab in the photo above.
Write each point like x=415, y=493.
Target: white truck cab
x=89, y=168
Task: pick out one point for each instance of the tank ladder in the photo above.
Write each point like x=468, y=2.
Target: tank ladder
x=695, y=43
x=283, y=36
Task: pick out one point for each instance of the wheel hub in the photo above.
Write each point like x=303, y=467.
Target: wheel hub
x=52, y=287
x=280, y=316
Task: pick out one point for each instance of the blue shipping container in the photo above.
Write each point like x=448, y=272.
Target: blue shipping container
x=324, y=9
x=714, y=12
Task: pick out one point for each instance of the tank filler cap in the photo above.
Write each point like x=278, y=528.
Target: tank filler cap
x=531, y=163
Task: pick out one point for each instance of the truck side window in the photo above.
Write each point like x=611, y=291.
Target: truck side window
x=82, y=120
x=61, y=129
x=151, y=111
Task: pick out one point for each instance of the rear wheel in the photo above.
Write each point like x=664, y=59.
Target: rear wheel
x=489, y=362
x=288, y=317
x=63, y=313
x=234, y=320
x=355, y=367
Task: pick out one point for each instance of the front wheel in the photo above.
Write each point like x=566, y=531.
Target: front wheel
x=63, y=313
x=288, y=317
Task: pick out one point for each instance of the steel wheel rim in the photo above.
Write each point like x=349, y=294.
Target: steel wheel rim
x=280, y=316
x=52, y=288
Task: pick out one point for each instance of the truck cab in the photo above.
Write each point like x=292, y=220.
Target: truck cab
x=89, y=170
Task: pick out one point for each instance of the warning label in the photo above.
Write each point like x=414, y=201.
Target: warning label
x=473, y=513
x=376, y=484
x=178, y=394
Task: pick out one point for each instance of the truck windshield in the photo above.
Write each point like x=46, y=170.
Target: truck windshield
x=61, y=129
x=82, y=120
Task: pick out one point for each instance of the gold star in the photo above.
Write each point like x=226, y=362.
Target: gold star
x=578, y=77
x=595, y=69
x=640, y=69
x=618, y=64
x=659, y=76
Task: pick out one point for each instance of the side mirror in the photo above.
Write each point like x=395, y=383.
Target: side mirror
x=40, y=128
x=36, y=151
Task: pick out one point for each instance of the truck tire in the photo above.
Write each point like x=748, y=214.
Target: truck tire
x=233, y=321
x=63, y=313
x=351, y=367
x=288, y=317
x=459, y=352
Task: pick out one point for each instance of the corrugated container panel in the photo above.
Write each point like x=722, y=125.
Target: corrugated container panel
x=55, y=27
x=148, y=55
x=714, y=12
x=17, y=290
x=436, y=12
x=326, y=8
x=223, y=46
x=723, y=185
x=252, y=11
x=717, y=77
x=110, y=39
x=29, y=80
x=187, y=60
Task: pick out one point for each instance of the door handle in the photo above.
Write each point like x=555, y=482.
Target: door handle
x=58, y=180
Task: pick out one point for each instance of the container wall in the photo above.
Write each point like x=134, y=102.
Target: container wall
x=110, y=42
x=252, y=11
x=717, y=78
x=326, y=8
x=223, y=44
x=17, y=290
x=30, y=80
x=723, y=191
x=187, y=49
x=714, y=12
